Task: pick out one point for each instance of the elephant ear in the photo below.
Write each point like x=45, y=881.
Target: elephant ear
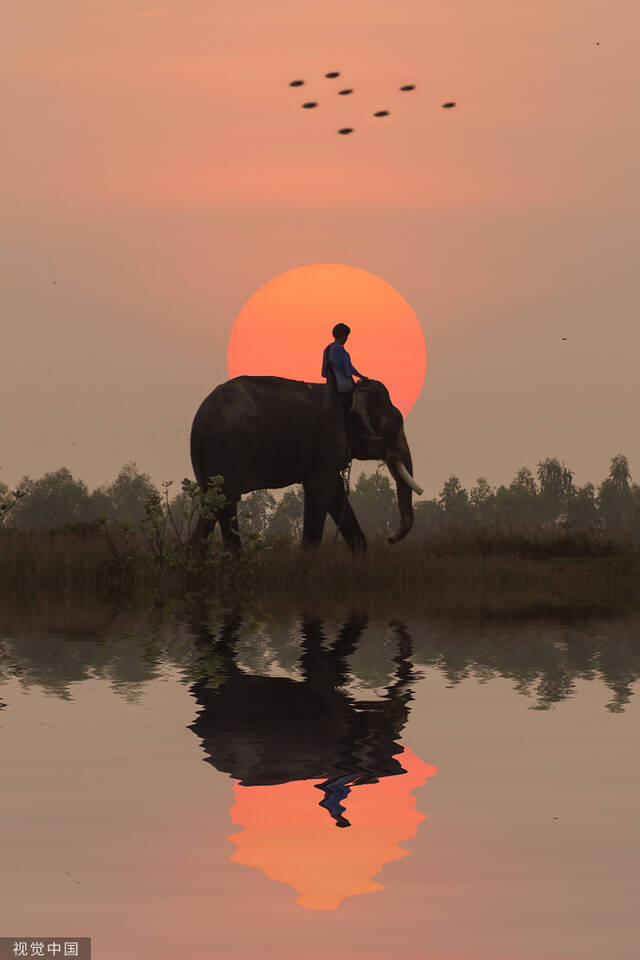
x=361, y=406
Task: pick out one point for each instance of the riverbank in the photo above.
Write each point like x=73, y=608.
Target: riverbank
x=452, y=572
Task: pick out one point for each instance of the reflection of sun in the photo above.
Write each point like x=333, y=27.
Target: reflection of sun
x=291, y=838
x=284, y=327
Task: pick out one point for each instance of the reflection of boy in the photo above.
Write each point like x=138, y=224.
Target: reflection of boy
x=335, y=791
x=337, y=367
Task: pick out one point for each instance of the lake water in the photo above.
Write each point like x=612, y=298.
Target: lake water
x=364, y=786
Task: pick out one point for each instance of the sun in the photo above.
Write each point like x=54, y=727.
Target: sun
x=284, y=327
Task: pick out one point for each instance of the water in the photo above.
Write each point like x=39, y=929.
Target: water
x=417, y=786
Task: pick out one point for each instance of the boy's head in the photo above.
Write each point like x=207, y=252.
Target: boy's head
x=340, y=332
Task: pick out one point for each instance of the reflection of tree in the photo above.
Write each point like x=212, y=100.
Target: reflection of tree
x=544, y=653
x=371, y=664
x=65, y=645
x=544, y=657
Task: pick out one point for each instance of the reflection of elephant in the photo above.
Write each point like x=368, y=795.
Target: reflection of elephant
x=261, y=432
x=273, y=730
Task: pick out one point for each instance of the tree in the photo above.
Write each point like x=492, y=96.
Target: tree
x=582, y=510
x=255, y=511
x=524, y=483
x=616, y=499
x=53, y=501
x=556, y=488
x=101, y=505
x=454, y=501
x=9, y=500
x=182, y=510
x=128, y=495
x=427, y=517
x=620, y=474
x=286, y=519
x=482, y=500
x=374, y=503
x=516, y=509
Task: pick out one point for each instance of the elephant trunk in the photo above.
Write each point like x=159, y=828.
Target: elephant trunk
x=398, y=461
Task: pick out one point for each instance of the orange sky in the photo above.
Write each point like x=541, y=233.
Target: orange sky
x=160, y=171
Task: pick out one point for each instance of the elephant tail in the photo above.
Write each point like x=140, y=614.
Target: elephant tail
x=203, y=461
x=197, y=463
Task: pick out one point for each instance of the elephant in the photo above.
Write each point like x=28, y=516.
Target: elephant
x=262, y=432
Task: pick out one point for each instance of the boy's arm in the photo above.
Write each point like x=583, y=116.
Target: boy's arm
x=341, y=359
x=351, y=369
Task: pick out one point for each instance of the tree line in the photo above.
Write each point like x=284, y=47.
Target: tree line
x=531, y=506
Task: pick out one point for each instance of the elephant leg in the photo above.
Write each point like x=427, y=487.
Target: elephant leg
x=228, y=519
x=344, y=518
x=317, y=496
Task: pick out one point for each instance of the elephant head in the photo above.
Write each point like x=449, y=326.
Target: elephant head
x=377, y=433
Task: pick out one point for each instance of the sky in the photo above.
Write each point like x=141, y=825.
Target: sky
x=159, y=171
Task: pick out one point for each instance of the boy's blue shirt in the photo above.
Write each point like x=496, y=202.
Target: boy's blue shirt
x=344, y=370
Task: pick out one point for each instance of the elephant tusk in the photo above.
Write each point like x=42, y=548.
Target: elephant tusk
x=408, y=479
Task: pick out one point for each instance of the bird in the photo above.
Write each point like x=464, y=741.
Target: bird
x=564, y=338
x=312, y=104
x=53, y=282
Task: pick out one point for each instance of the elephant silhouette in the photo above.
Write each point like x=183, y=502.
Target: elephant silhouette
x=282, y=740
x=268, y=432
x=273, y=730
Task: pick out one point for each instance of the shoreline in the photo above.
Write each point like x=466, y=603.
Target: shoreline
x=115, y=566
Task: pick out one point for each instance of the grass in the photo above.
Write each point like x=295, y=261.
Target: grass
x=95, y=561
x=448, y=569
x=416, y=573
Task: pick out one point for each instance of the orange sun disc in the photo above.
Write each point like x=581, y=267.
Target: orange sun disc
x=283, y=328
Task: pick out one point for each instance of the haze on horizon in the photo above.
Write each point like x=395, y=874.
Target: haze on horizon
x=157, y=175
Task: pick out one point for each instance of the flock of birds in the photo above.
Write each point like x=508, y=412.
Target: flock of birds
x=118, y=436
x=311, y=104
